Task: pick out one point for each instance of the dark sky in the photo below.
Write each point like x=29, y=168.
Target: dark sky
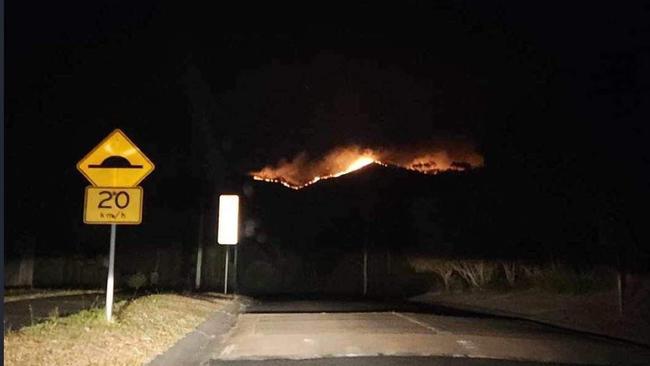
x=544, y=89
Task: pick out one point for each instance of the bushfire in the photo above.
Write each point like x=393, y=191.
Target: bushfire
x=301, y=172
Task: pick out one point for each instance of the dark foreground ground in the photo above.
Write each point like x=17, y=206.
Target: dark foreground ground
x=385, y=361
x=285, y=331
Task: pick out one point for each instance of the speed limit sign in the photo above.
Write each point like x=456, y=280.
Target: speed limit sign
x=114, y=168
x=113, y=205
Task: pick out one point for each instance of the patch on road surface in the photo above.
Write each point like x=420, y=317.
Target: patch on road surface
x=324, y=335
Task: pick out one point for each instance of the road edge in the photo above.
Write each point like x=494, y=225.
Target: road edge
x=196, y=347
x=62, y=293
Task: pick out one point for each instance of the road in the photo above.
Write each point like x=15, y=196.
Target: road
x=284, y=332
x=18, y=314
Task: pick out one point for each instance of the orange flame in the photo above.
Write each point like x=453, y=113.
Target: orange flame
x=357, y=164
x=299, y=172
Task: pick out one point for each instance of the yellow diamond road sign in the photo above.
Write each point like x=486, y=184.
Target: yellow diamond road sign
x=115, y=162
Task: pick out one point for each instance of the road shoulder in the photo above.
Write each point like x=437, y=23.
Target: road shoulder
x=197, y=347
x=574, y=315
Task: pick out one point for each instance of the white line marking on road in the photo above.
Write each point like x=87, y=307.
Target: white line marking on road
x=469, y=345
x=227, y=350
x=424, y=325
x=209, y=336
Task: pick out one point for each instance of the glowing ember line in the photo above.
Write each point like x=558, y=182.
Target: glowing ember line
x=356, y=165
x=300, y=173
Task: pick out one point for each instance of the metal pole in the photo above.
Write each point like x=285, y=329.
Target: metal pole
x=365, y=270
x=199, y=260
x=109, y=281
x=620, y=281
x=388, y=260
x=236, y=287
x=225, y=277
x=199, y=254
x=621, y=288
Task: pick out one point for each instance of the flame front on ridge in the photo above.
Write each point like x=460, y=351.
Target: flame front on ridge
x=301, y=172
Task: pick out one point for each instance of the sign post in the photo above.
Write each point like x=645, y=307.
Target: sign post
x=225, y=276
x=115, y=167
x=109, y=281
x=228, y=231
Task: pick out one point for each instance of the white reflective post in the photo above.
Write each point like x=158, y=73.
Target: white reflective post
x=228, y=231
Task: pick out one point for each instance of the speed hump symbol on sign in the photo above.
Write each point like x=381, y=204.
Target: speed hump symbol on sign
x=113, y=205
x=115, y=162
x=114, y=167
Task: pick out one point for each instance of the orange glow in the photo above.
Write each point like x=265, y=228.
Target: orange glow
x=301, y=172
x=356, y=164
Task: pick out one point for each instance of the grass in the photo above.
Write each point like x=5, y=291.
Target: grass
x=142, y=328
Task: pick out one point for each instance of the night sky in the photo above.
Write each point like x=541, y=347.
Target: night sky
x=556, y=96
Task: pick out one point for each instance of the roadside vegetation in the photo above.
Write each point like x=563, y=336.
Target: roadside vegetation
x=459, y=275
x=142, y=328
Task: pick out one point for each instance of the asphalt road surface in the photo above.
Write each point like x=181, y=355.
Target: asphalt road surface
x=281, y=332
x=18, y=314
